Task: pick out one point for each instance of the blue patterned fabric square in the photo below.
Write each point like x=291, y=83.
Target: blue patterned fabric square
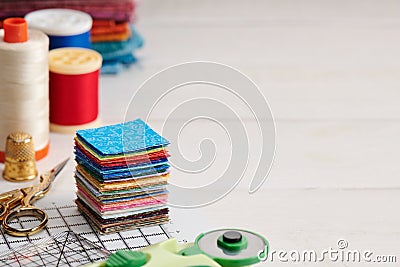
x=128, y=137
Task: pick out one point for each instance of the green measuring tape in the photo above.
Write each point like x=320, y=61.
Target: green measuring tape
x=218, y=248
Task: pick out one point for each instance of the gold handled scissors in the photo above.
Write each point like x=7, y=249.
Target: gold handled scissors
x=24, y=197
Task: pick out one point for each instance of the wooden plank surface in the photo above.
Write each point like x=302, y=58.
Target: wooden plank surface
x=331, y=73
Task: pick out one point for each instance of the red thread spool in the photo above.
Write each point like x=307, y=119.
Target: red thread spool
x=74, y=80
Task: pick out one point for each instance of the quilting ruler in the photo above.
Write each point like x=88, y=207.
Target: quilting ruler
x=73, y=241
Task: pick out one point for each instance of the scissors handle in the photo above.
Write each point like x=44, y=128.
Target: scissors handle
x=9, y=200
x=26, y=212
x=3, y=211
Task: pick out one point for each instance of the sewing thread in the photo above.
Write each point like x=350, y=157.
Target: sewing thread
x=24, y=77
x=74, y=81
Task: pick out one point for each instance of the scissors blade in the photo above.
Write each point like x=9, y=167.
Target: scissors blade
x=35, y=192
x=57, y=169
x=47, y=178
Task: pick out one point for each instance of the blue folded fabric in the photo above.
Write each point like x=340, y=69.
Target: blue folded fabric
x=124, y=173
x=117, y=170
x=111, y=69
x=118, y=55
x=118, y=64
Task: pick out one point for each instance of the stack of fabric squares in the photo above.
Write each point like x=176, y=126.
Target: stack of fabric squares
x=112, y=35
x=121, y=176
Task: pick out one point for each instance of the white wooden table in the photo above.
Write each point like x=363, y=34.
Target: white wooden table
x=331, y=74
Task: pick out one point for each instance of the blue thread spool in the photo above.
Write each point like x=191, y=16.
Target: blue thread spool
x=65, y=27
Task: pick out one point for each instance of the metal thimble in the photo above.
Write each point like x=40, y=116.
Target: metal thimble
x=19, y=164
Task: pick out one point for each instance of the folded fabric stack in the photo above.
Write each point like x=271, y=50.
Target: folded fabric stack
x=116, y=42
x=112, y=35
x=121, y=176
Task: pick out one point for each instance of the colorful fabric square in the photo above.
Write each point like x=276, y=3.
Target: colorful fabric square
x=121, y=176
x=107, y=140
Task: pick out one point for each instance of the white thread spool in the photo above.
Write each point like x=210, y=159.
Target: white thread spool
x=65, y=27
x=24, y=87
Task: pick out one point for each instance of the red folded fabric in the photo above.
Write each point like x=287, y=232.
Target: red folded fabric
x=119, y=10
x=123, y=161
x=109, y=26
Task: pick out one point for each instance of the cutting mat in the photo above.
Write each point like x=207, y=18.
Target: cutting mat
x=69, y=240
x=64, y=249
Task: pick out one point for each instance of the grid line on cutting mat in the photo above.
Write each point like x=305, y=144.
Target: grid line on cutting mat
x=69, y=240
